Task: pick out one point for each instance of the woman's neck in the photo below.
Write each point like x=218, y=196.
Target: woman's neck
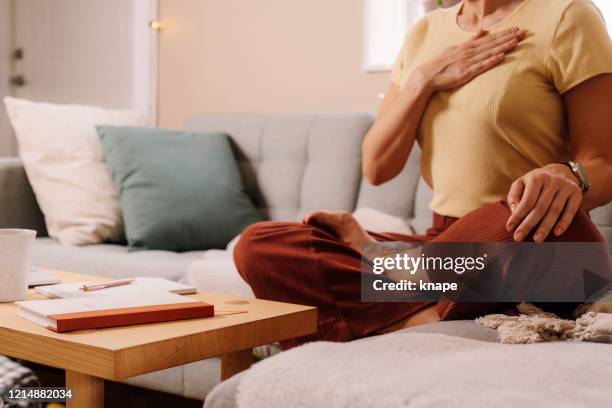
x=476, y=14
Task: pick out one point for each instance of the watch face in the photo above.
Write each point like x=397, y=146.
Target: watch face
x=581, y=174
x=575, y=167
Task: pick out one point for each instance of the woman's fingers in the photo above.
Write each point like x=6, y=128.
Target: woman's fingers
x=332, y=219
x=552, y=216
x=479, y=34
x=319, y=217
x=491, y=55
x=310, y=218
x=502, y=48
x=571, y=208
x=479, y=67
x=537, y=213
x=501, y=44
x=543, y=200
x=491, y=40
x=517, y=36
x=514, y=198
x=459, y=64
x=504, y=45
x=533, y=188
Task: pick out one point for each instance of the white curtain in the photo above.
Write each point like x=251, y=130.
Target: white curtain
x=386, y=23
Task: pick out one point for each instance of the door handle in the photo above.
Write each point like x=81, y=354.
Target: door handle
x=17, y=80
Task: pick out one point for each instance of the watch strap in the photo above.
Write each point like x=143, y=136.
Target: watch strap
x=577, y=171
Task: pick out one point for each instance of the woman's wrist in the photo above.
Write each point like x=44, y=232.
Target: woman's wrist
x=563, y=170
x=422, y=81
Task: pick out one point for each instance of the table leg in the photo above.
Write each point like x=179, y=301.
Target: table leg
x=233, y=363
x=87, y=390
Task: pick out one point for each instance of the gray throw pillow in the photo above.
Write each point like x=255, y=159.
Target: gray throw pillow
x=178, y=191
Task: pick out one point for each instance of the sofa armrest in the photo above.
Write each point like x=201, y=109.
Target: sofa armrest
x=18, y=206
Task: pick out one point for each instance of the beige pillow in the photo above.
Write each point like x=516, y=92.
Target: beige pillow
x=378, y=221
x=64, y=162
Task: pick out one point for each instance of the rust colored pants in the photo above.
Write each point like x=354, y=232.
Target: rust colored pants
x=304, y=264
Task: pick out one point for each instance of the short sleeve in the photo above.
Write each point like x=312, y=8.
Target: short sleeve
x=412, y=42
x=399, y=67
x=581, y=48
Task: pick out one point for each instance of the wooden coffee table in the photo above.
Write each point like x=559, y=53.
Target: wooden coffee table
x=91, y=356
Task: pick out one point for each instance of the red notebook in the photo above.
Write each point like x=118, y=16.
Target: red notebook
x=63, y=315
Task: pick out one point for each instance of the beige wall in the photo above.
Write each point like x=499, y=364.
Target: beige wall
x=263, y=56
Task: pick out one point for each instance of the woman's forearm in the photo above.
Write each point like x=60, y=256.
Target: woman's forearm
x=389, y=142
x=588, y=106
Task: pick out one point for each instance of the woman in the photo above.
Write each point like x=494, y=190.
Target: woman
x=500, y=94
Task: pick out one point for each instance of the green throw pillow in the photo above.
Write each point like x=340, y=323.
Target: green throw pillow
x=178, y=191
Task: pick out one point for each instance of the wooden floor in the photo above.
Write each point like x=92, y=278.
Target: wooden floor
x=118, y=395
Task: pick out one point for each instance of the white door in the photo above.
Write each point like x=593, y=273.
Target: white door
x=97, y=52
x=6, y=139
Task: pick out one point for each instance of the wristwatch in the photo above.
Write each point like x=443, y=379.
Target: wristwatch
x=581, y=175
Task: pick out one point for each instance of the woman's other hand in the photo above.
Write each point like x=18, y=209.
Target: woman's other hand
x=343, y=225
x=548, y=197
x=460, y=64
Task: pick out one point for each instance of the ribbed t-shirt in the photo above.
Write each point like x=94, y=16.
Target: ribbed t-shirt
x=478, y=138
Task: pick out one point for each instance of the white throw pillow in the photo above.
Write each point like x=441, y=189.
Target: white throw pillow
x=378, y=221
x=65, y=164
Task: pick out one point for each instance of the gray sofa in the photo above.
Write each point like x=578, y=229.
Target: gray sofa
x=291, y=164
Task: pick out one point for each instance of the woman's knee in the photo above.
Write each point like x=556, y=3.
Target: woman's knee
x=581, y=229
x=258, y=246
x=488, y=224
x=251, y=241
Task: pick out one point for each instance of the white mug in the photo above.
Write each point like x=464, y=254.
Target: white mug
x=15, y=257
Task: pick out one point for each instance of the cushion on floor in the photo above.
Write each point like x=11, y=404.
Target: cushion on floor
x=224, y=395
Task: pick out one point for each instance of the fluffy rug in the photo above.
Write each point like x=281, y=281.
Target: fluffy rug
x=537, y=326
x=431, y=370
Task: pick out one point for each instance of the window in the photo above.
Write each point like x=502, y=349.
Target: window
x=606, y=9
x=386, y=24
x=387, y=21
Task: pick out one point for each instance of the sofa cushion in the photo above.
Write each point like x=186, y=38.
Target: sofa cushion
x=65, y=165
x=219, y=275
x=378, y=221
x=602, y=217
x=179, y=191
x=422, y=214
x=395, y=197
x=111, y=260
x=18, y=207
x=295, y=163
x=288, y=160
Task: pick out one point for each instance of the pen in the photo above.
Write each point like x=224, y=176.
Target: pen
x=104, y=285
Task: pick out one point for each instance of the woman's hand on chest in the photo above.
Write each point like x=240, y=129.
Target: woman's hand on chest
x=459, y=64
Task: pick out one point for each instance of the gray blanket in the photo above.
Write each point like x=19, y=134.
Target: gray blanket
x=431, y=370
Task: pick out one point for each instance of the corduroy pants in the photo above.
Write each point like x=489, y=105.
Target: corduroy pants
x=304, y=264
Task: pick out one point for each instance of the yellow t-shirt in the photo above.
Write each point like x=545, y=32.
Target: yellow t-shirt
x=477, y=139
